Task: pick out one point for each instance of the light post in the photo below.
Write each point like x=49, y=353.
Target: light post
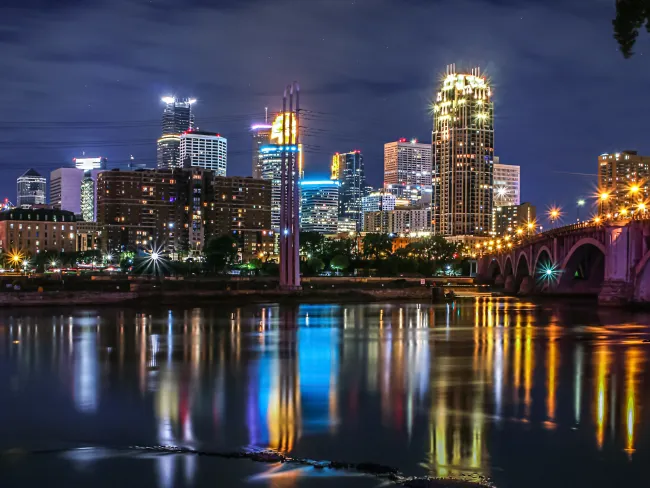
x=531, y=227
x=580, y=203
x=553, y=215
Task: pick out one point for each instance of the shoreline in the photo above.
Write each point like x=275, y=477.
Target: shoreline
x=345, y=295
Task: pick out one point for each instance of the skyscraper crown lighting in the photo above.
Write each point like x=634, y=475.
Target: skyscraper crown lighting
x=463, y=154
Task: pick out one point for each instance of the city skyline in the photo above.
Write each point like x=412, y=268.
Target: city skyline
x=350, y=110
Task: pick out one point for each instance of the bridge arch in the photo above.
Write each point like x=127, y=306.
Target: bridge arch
x=582, y=242
x=507, y=267
x=543, y=262
x=522, y=270
x=540, y=251
x=583, y=268
x=494, y=269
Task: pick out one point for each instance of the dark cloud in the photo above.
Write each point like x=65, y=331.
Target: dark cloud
x=368, y=71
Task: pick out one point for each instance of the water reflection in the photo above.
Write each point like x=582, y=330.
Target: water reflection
x=444, y=381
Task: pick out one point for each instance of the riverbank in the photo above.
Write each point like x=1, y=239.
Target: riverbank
x=163, y=297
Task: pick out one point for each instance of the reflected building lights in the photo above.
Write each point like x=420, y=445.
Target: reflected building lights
x=579, y=360
x=633, y=361
x=552, y=367
x=602, y=367
x=86, y=370
x=391, y=367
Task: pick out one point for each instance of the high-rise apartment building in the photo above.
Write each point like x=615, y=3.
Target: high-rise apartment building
x=624, y=180
x=177, y=118
x=242, y=208
x=506, y=184
x=348, y=169
x=30, y=189
x=398, y=221
x=139, y=209
x=507, y=219
x=180, y=210
x=319, y=206
x=261, y=136
x=463, y=154
x=205, y=150
x=408, y=164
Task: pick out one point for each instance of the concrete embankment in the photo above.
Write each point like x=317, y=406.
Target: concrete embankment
x=340, y=294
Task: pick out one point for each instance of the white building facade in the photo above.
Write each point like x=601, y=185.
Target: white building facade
x=407, y=163
x=205, y=150
x=507, y=184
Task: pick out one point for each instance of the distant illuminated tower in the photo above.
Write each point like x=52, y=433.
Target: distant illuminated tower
x=87, y=164
x=348, y=169
x=271, y=167
x=261, y=136
x=177, y=118
x=463, y=152
x=31, y=188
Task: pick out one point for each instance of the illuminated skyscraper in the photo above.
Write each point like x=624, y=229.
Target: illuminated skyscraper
x=407, y=165
x=348, y=169
x=506, y=184
x=31, y=188
x=261, y=136
x=271, y=167
x=320, y=206
x=177, y=118
x=463, y=152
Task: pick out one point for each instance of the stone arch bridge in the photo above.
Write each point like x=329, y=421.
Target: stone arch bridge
x=609, y=260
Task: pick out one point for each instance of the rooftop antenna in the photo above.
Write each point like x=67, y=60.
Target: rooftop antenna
x=266, y=115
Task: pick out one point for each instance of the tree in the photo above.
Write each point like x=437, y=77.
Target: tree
x=315, y=265
x=334, y=247
x=220, y=252
x=631, y=15
x=311, y=243
x=438, y=248
x=340, y=262
x=377, y=246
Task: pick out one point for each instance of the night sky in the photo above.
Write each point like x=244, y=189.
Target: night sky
x=87, y=75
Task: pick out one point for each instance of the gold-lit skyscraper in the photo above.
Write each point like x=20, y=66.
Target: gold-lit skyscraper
x=463, y=154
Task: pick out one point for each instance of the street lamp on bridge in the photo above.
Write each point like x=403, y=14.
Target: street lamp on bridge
x=580, y=203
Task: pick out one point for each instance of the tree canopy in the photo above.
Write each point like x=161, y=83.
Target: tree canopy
x=631, y=15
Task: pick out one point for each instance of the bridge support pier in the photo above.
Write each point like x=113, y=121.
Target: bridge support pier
x=617, y=289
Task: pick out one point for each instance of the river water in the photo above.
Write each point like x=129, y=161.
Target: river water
x=497, y=391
